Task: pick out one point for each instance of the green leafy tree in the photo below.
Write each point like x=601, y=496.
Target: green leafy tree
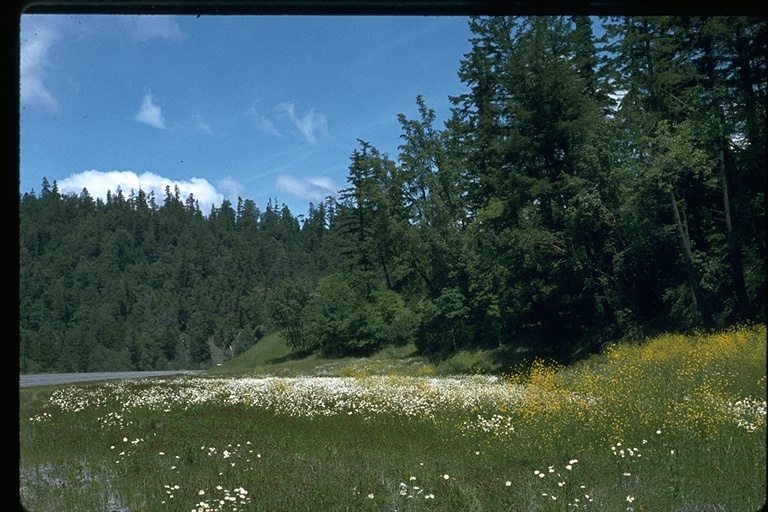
x=363, y=213
x=445, y=327
x=285, y=308
x=352, y=313
x=540, y=157
x=681, y=76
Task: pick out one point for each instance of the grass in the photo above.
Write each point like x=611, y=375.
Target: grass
x=271, y=356
x=677, y=424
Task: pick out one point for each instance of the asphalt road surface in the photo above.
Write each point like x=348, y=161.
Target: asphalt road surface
x=67, y=378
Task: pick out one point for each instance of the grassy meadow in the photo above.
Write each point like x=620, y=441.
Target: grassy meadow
x=676, y=424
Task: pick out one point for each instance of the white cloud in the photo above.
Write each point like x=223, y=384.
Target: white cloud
x=284, y=119
x=151, y=114
x=200, y=124
x=313, y=189
x=144, y=28
x=264, y=124
x=310, y=125
x=36, y=42
x=205, y=193
x=232, y=187
x=98, y=183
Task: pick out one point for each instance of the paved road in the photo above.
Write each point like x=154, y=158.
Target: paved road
x=66, y=378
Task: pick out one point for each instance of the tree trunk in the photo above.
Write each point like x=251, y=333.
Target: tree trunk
x=734, y=249
x=697, y=294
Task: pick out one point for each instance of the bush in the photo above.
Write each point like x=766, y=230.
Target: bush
x=354, y=314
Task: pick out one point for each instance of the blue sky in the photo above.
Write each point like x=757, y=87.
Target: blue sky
x=224, y=106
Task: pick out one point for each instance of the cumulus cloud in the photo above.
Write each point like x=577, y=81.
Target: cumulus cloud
x=36, y=42
x=310, y=125
x=144, y=28
x=231, y=186
x=151, y=114
x=312, y=189
x=99, y=182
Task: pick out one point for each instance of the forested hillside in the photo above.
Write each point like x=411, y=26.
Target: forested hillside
x=586, y=189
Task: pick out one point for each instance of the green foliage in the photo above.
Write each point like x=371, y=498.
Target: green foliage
x=126, y=284
x=444, y=324
x=285, y=308
x=353, y=313
x=583, y=190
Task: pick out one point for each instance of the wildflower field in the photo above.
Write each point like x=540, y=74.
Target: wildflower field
x=675, y=424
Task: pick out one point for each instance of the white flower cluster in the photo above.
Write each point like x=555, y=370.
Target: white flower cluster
x=749, y=413
x=228, y=498
x=302, y=396
x=410, y=396
x=619, y=451
x=560, y=487
x=77, y=399
x=219, y=499
x=113, y=420
x=43, y=416
x=496, y=424
x=413, y=490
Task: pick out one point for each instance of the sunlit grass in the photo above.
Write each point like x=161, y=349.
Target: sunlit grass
x=678, y=423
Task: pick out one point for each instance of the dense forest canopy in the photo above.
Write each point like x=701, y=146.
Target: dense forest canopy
x=585, y=189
